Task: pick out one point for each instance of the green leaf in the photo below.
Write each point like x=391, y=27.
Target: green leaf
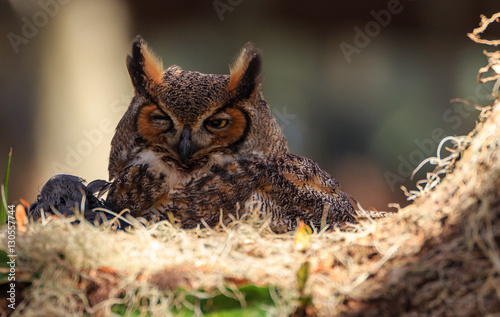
x=4, y=278
x=256, y=301
x=4, y=259
x=302, y=276
x=121, y=310
x=255, y=297
x=304, y=300
x=3, y=196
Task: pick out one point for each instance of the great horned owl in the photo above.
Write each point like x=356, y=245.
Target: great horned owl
x=201, y=146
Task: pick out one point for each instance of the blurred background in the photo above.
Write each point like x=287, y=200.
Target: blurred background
x=362, y=87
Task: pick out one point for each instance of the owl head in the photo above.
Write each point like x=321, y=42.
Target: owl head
x=184, y=118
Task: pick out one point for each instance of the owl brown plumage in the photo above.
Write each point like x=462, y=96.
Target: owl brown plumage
x=194, y=144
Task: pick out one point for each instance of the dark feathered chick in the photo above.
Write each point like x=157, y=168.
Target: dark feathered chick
x=65, y=193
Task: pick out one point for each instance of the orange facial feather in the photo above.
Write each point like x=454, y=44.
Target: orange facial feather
x=235, y=130
x=146, y=129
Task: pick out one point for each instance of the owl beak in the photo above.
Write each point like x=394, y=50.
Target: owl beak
x=185, y=145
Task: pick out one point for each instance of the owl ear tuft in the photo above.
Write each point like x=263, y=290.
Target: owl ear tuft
x=144, y=67
x=245, y=72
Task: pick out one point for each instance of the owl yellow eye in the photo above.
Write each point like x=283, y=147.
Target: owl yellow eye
x=217, y=123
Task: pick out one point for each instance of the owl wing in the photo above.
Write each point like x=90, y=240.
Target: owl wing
x=195, y=198
x=136, y=188
x=225, y=187
x=295, y=188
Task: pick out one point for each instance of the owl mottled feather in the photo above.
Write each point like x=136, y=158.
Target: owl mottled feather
x=194, y=144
